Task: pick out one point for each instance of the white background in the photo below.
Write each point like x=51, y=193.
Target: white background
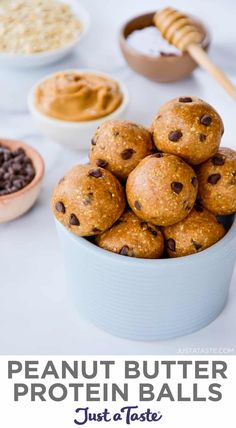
x=26, y=414
x=36, y=314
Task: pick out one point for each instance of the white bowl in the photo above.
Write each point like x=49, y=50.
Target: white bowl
x=144, y=299
x=48, y=57
x=75, y=135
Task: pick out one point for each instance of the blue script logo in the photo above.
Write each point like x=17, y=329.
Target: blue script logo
x=127, y=414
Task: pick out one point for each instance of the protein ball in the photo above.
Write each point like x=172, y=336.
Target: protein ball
x=130, y=236
x=162, y=189
x=188, y=127
x=88, y=200
x=217, y=182
x=198, y=231
x=119, y=146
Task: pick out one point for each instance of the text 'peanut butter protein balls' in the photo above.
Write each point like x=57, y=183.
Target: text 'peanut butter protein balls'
x=88, y=200
x=119, y=146
x=217, y=182
x=130, y=236
x=188, y=127
x=162, y=189
x=198, y=231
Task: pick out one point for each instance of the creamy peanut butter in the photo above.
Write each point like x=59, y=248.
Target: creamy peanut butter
x=77, y=97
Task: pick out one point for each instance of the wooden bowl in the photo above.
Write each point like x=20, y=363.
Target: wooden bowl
x=161, y=68
x=18, y=203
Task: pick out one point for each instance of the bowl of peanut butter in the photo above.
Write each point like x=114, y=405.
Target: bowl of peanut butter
x=68, y=106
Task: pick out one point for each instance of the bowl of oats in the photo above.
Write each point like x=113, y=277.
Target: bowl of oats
x=51, y=31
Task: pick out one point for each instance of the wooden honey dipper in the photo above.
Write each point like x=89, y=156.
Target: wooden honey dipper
x=180, y=31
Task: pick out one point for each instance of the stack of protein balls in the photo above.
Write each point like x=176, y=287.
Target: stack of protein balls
x=175, y=179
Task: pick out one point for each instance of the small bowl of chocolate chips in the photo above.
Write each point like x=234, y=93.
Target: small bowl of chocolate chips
x=21, y=175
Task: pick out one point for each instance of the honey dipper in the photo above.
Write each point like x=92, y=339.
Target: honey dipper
x=180, y=31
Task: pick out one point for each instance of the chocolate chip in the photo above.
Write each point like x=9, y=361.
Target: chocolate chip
x=93, y=142
x=16, y=170
x=96, y=172
x=60, y=207
x=127, y=154
x=205, y=120
x=170, y=244
x=175, y=135
x=213, y=178
x=176, y=187
x=196, y=245
x=137, y=205
x=158, y=155
x=194, y=181
x=74, y=220
x=102, y=163
x=218, y=160
x=124, y=250
x=185, y=100
x=202, y=137
x=152, y=231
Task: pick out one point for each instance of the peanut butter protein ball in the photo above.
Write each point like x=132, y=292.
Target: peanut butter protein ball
x=88, y=200
x=217, y=182
x=198, y=231
x=188, y=127
x=162, y=189
x=119, y=146
x=130, y=236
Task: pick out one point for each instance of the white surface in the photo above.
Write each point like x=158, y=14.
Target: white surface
x=36, y=314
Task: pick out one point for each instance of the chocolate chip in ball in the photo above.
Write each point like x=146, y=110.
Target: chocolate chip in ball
x=213, y=178
x=96, y=173
x=218, y=160
x=127, y=154
x=137, y=205
x=93, y=142
x=60, y=207
x=175, y=135
x=194, y=181
x=74, y=220
x=102, y=163
x=176, y=187
x=171, y=244
x=185, y=100
x=202, y=137
x=206, y=120
x=124, y=250
x=152, y=231
x=196, y=245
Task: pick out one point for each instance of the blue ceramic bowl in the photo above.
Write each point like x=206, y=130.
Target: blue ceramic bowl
x=144, y=299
